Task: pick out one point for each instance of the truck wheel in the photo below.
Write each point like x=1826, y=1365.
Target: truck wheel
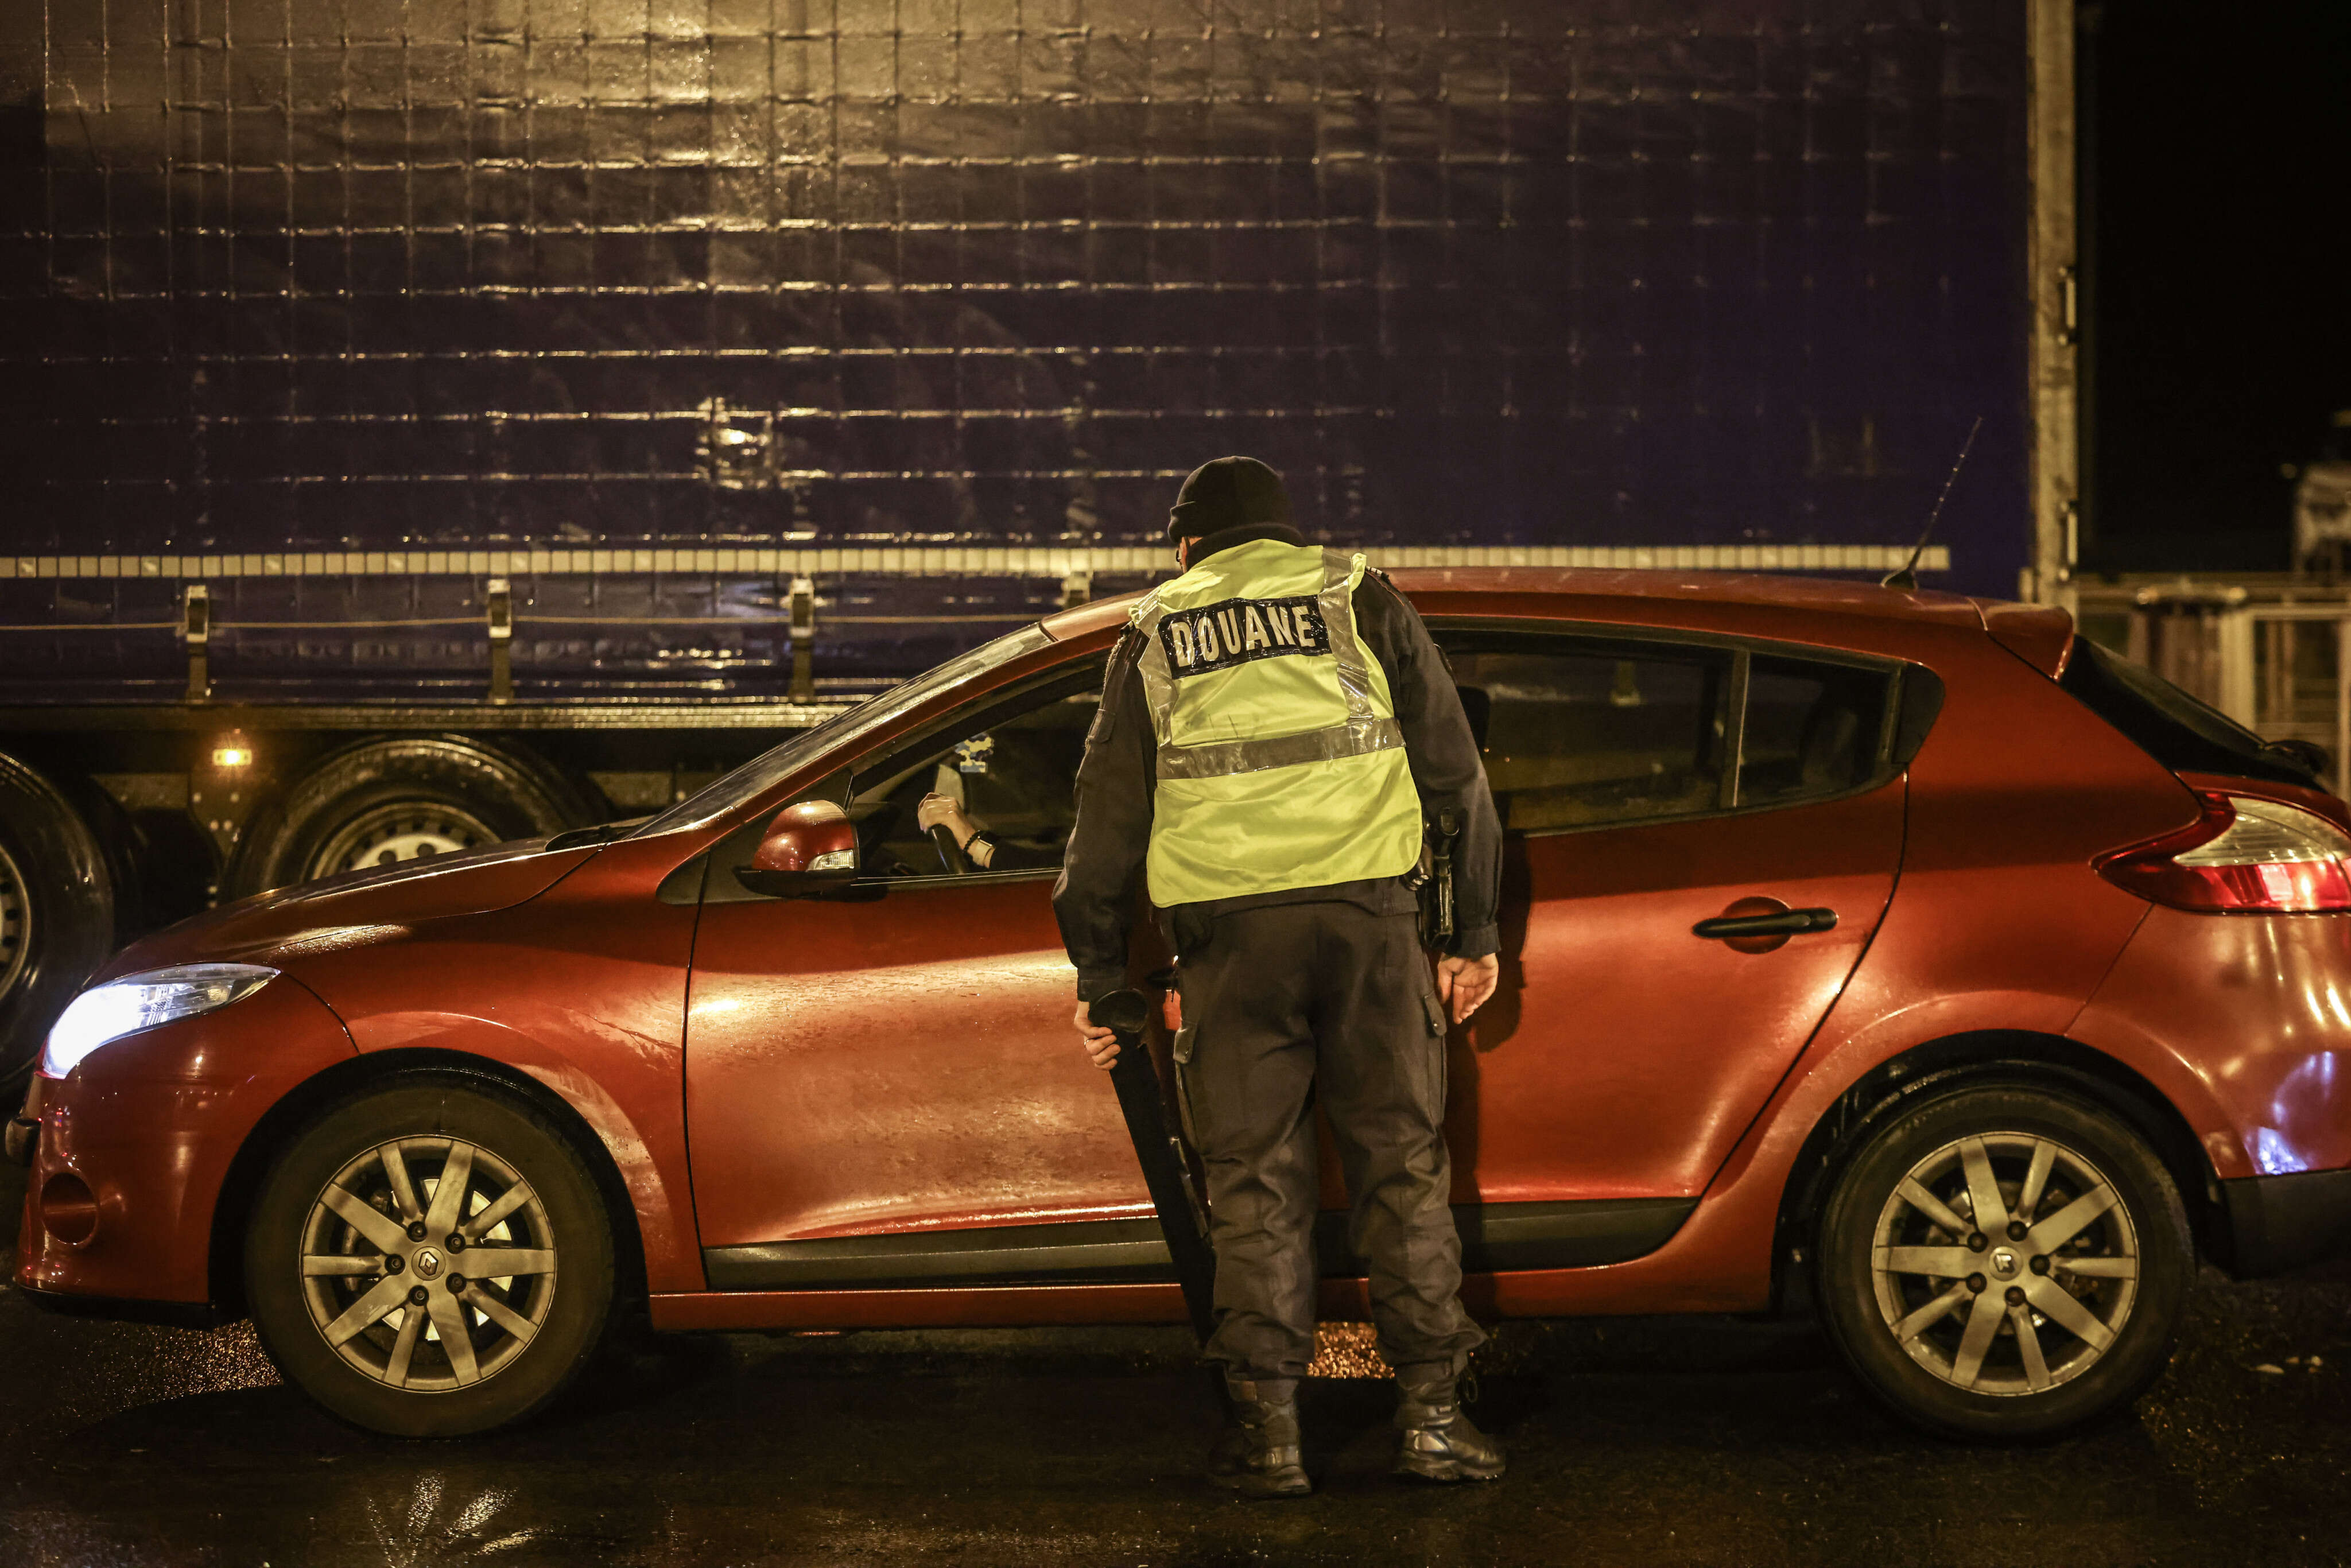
x=57, y=912
x=378, y=802
x=429, y=1258
x=125, y=849
x=2005, y=1263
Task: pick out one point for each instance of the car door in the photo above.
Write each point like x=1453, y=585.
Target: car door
x=872, y=1079
x=1646, y=788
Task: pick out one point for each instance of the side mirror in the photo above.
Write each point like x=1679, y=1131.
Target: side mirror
x=808, y=849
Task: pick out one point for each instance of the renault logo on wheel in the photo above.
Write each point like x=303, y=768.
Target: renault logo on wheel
x=428, y=1263
x=2003, y=1263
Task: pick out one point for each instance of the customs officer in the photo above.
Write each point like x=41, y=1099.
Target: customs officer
x=1275, y=729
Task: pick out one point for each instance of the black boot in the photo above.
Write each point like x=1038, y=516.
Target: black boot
x=1258, y=1456
x=1438, y=1442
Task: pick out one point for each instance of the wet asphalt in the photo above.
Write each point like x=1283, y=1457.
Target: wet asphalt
x=1656, y=1441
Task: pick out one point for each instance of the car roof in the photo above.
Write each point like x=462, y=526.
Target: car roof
x=1837, y=595
x=2038, y=633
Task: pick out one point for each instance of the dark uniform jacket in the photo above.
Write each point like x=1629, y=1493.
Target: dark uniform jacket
x=1103, y=868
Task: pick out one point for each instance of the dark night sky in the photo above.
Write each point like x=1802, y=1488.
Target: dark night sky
x=2218, y=186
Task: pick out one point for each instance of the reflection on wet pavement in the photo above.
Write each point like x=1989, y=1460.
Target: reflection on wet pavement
x=1683, y=1441
x=422, y=1532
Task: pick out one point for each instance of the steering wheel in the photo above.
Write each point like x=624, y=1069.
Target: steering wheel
x=950, y=853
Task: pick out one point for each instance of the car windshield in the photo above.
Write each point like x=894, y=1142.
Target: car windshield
x=2183, y=734
x=724, y=795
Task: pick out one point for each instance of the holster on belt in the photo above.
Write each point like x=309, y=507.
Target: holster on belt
x=1432, y=879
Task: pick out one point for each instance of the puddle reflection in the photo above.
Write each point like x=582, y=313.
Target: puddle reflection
x=417, y=1536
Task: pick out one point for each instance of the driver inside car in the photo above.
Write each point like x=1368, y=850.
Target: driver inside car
x=979, y=846
x=1004, y=792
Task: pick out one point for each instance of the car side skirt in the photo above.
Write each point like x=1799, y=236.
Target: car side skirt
x=1495, y=1237
x=2282, y=1222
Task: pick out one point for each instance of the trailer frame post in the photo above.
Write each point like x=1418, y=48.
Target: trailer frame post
x=498, y=606
x=2052, y=256
x=195, y=630
x=803, y=601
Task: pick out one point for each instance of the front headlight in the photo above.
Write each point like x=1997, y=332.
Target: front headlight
x=144, y=1000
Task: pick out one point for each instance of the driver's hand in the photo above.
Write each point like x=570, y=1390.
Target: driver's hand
x=1464, y=983
x=1102, y=1045
x=936, y=808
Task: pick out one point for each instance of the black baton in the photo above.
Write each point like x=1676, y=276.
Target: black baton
x=1124, y=1013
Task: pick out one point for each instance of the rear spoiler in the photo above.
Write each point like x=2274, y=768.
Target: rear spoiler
x=2040, y=635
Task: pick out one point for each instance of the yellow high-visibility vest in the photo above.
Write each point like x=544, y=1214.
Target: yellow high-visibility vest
x=1279, y=761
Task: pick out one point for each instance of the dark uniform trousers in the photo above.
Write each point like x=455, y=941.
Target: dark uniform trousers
x=1283, y=1006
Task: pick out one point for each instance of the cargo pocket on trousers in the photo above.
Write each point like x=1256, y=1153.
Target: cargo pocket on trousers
x=1441, y=1090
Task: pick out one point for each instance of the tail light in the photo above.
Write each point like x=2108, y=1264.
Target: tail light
x=2241, y=856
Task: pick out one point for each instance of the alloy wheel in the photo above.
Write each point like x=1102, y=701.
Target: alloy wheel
x=2005, y=1263
x=428, y=1263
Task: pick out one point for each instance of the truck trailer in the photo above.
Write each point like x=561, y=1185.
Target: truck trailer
x=434, y=422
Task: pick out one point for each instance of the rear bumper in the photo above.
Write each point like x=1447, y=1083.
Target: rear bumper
x=2282, y=1222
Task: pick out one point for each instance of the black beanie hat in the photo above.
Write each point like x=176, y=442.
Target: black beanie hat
x=1227, y=493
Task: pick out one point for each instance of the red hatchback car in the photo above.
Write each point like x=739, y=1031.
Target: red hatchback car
x=1894, y=950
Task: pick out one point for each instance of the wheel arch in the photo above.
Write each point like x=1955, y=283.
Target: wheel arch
x=1973, y=1056
x=306, y=1100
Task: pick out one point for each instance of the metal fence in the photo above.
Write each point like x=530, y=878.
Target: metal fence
x=2272, y=652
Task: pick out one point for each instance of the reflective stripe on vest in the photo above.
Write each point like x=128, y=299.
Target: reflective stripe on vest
x=1279, y=761
x=1237, y=630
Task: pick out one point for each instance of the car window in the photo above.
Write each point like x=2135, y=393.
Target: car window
x=1012, y=766
x=1812, y=728
x=731, y=792
x=2168, y=725
x=1576, y=733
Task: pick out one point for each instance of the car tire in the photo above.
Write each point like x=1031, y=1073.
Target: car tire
x=341, y=1330
x=58, y=919
x=385, y=799
x=2036, y=1326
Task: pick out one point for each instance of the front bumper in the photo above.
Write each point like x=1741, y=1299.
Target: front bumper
x=131, y=1151
x=126, y=1309
x=2280, y=1222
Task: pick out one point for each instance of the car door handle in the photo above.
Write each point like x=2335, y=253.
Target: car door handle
x=1783, y=923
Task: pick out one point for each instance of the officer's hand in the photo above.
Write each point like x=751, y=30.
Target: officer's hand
x=1464, y=983
x=1100, y=1044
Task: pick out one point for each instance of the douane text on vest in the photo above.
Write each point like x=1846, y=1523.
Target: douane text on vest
x=1219, y=636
